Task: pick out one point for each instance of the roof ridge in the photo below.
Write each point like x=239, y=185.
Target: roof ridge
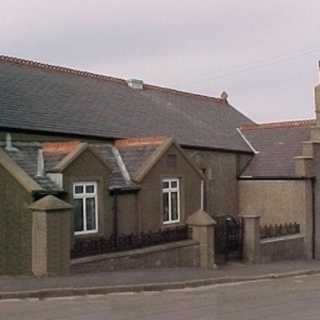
x=92, y=75
x=52, y=67
x=280, y=124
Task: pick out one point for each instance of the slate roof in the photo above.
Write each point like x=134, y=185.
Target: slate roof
x=40, y=97
x=103, y=150
x=277, y=144
x=135, y=152
x=27, y=158
x=117, y=179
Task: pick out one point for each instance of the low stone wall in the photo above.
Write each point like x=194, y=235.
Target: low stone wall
x=282, y=248
x=176, y=254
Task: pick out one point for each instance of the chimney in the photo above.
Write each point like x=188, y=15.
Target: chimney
x=135, y=84
x=40, y=164
x=9, y=146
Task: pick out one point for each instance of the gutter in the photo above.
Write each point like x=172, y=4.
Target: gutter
x=121, y=190
x=189, y=146
x=63, y=134
x=274, y=178
x=313, y=248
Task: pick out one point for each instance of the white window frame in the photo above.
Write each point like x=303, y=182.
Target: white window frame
x=169, y=190
x=83, y=196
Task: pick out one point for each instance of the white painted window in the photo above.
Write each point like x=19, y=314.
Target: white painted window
x=85, y=207
x=171, y=200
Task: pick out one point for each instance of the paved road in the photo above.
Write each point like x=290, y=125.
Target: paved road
x=294, y=298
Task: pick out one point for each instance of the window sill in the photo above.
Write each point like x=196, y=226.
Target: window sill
x=172, y=225
x=86, y=234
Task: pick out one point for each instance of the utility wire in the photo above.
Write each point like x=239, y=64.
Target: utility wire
x=261, y=64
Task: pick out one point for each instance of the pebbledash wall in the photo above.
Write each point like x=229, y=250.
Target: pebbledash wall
x=279, y=202
x=15, y=226
x=149, y=198
x=221, y=170
x=87, y=168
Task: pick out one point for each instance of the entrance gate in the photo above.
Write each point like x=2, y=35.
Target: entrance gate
x=228, y=238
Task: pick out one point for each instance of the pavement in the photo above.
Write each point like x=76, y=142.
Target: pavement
x=148, y=279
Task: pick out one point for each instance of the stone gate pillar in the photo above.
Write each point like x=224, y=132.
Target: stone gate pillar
x=251, y=238
x=51, y=225
x=202, y=226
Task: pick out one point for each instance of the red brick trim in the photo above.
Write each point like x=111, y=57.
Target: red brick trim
x=140, y=142
x=285, y=124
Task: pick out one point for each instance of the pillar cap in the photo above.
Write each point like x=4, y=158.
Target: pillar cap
x=50, y=203
x=200, y=218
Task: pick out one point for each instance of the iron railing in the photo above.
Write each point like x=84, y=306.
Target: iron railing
x=99, y=245
x=278, y=230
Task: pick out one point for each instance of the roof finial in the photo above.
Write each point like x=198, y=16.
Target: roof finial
x=224, y=95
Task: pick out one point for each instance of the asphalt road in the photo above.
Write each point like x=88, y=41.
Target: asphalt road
x=291, y=298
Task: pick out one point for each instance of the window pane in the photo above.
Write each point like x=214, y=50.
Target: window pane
x=174, y=205
x=91, y=213
x=174, y=184
x=78, y=189
x=165, y=184
x=165, y=207
x=90, y=188
x=78, y=215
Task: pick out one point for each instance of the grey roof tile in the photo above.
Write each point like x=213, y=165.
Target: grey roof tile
x=134, y=157
x=277, y=147
x=117, y=179
x=45, y=98
x=27, y=158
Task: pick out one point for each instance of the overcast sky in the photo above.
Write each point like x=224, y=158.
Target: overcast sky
x=263, y=53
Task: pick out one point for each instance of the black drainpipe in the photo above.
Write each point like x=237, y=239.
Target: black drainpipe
x=115, y=216
x=313, y=219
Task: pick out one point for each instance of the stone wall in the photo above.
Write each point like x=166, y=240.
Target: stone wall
x=221, y=170
x=15, y=226
x=282, y=248
x=279, y=202
x=150, y=195
x=177, y=254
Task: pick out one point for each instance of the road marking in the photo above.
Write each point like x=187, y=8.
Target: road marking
x=18, y=300
x=9, y=300
x=219, y=285
x=122, y=293
x=150, y=293
x=64, y=298
x=298, y=281
x=301, y=276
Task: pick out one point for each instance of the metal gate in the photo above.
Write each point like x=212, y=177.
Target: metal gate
x=228, y=237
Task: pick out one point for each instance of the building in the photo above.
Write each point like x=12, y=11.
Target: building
x=133, y=158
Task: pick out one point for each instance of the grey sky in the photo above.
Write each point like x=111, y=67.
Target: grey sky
x=263, y=53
